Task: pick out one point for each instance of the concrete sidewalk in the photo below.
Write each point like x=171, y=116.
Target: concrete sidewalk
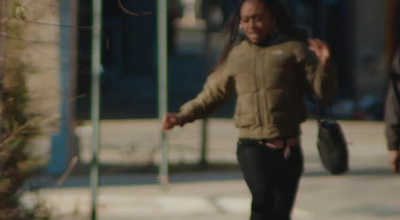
x=367, y=192
x=135, y=142
x=359, y=197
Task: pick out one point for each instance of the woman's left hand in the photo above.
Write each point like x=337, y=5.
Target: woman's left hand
x=321, y=49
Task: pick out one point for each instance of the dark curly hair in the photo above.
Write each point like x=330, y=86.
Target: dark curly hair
x=278, y=10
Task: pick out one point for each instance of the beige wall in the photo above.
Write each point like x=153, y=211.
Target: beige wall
x=34, y=37
x=40, y=44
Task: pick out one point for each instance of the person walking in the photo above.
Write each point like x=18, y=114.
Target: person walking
x=392, y=115
x=270, y=73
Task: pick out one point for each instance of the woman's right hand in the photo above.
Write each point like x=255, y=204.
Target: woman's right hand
x=171, y=120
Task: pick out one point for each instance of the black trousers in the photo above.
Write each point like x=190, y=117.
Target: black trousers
x=272, y=179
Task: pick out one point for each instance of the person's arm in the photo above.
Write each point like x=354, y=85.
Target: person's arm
x=317, y=64
x=218, y=89
x=392, y=120
x=396, y=62
x=392, y=128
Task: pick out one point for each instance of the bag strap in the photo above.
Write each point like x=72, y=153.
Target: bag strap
x=323, y=111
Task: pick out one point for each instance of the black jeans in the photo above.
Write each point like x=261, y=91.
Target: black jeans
x=272, y=179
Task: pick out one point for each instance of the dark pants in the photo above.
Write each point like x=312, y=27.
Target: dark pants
x=272, y=179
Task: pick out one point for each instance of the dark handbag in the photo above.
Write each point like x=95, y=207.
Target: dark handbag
x=331, y=144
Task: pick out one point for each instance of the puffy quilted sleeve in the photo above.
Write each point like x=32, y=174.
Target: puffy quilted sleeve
x=217, y=90
x=320, y=78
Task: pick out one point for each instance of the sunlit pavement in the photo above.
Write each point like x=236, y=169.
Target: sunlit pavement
x=367, y=192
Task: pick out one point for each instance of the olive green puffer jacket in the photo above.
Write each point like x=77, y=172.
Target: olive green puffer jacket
x=270, y=82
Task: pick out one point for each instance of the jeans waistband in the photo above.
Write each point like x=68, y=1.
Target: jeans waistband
x=274, y=143
x=284, y=143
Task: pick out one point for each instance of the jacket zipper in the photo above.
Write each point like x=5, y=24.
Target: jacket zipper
x=259, y=85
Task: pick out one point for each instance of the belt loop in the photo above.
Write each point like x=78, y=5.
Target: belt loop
x=286, y=148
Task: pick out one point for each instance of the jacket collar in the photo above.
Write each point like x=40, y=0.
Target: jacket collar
x=271, y=39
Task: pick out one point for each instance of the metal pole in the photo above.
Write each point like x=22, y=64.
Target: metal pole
x=162, y=12
x=95, y=105
x=64, y=143
x=207, y=52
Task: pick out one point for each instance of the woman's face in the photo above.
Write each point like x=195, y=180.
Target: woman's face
x=256, y=20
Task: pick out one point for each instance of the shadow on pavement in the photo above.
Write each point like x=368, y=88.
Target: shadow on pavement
x=124, y=176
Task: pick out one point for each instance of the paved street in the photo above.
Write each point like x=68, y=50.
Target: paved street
x=367, y=192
